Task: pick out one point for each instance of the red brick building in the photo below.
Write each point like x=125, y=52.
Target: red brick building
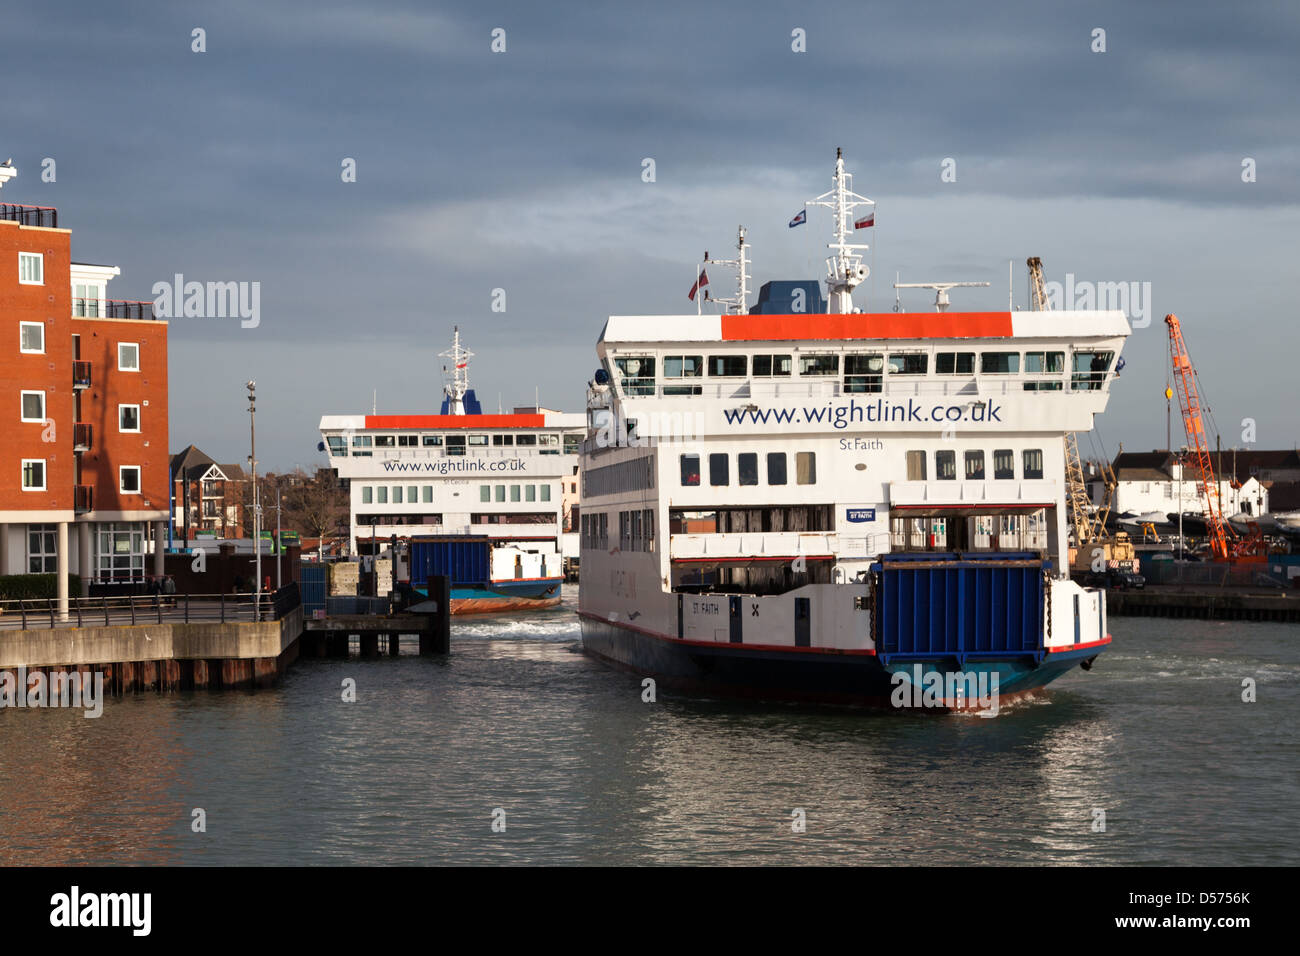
x=84, y=481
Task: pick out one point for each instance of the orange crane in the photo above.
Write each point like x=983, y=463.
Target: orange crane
x=1225, y=544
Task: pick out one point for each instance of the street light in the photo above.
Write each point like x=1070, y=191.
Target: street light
x=257, y=500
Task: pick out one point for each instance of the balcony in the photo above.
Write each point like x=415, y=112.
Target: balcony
x=82, y=436
x=30, y=215
x=83, y=499
x=80, y=375
x=111, y=309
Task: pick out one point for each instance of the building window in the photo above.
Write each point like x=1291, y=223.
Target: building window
x=367, y=494
x=690, y=470
x=916, y=466
x=33, y=406
x=31, y=268
x=484, y=492
x=33, y=474
x=128, y=357
x=31, y=337
x=1004, y=464
x=945, y=465
x=42, y=550
x=975, y=466
x=128, y=418
x=120, y=555
x=776, y=468
x=85, y=300
x=719, y=473
x=128, y=479
x=747, y=468
x=1033, y=463
x=805, y=467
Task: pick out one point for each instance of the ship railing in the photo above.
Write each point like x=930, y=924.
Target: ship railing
x=898, y=386
x=771, y=545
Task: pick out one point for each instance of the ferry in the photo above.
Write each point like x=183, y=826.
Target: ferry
x=806, y=502
x=484, y=499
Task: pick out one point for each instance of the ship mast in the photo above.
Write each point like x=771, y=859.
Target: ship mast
x=458, y=375
x=740, y=304
x=844, y=268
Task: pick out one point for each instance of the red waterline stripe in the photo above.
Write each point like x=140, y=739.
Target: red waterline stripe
x=1079, y=647
x=726, y=644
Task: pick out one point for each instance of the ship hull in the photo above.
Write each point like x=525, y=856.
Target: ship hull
x=502, y=596
x=811, y=676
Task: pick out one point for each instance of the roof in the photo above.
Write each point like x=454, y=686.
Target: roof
x=190, y=463
x=1240, y=464
x=1143, y=466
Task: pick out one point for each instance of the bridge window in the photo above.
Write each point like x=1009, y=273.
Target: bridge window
x=863, y=373
x=765, y=365
x=385, y=441
x=1004, y=464
x=955, y=363
x=719, y=472
x=728, y=366
x=637, y=374
x=1033, y=458
x=526, y=440
x=999, y=363
x=432, y=441
x=820, y=364
x=1090, y=370
x=916, y=466
x=945, y=465
x=502, y=440
x=337, y=445
x=776, y=468
x=690, y=470
x=975, y=465
x=683, y=366
x=805, y=467
x=908, y=363
x=572, y=443
x=456, y=445
x=478, y=441
x=408, y=441
x=1044, y=363
x=747, y=468
x=360, y=441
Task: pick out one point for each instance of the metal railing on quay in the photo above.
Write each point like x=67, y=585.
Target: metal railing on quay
x=134, y=609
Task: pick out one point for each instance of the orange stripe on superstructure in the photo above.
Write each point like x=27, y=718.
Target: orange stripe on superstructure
x=866, y=325
x=455, y=421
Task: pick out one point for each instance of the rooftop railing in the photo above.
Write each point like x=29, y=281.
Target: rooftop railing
x=111, y=309
x=30, y=215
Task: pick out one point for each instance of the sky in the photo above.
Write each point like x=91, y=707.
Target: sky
x=522, y=170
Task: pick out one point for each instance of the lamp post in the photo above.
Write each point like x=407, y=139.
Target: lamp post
x=257, y=500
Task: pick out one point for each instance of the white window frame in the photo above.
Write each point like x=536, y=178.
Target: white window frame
x=128, y=431
x=35, y=325
x=120, y=366
x=40, y=261
x=22, y=416
x=45, y=478
x=121, y=471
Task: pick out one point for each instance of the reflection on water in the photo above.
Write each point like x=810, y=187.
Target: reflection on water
x=1156, y=736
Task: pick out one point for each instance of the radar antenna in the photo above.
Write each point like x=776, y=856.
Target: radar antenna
x=940, y=292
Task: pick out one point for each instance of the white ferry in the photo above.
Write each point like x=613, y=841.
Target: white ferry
x=477, y=497
x=844, y=507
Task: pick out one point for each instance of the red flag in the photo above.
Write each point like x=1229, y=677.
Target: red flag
x=700, y=283
x=866, y=223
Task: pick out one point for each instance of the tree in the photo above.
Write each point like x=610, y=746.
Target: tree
x=314, y=505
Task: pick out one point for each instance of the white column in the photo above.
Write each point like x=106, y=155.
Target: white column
x=85, y=533
x=63, y=570
x=159, y=547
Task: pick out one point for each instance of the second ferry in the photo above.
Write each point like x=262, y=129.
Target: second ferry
x=801, y=501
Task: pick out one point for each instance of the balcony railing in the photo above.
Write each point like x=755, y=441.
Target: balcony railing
x=82, y=436
x=80, y=375
x=83, y=499
x=111, y=309
x=30, y=215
